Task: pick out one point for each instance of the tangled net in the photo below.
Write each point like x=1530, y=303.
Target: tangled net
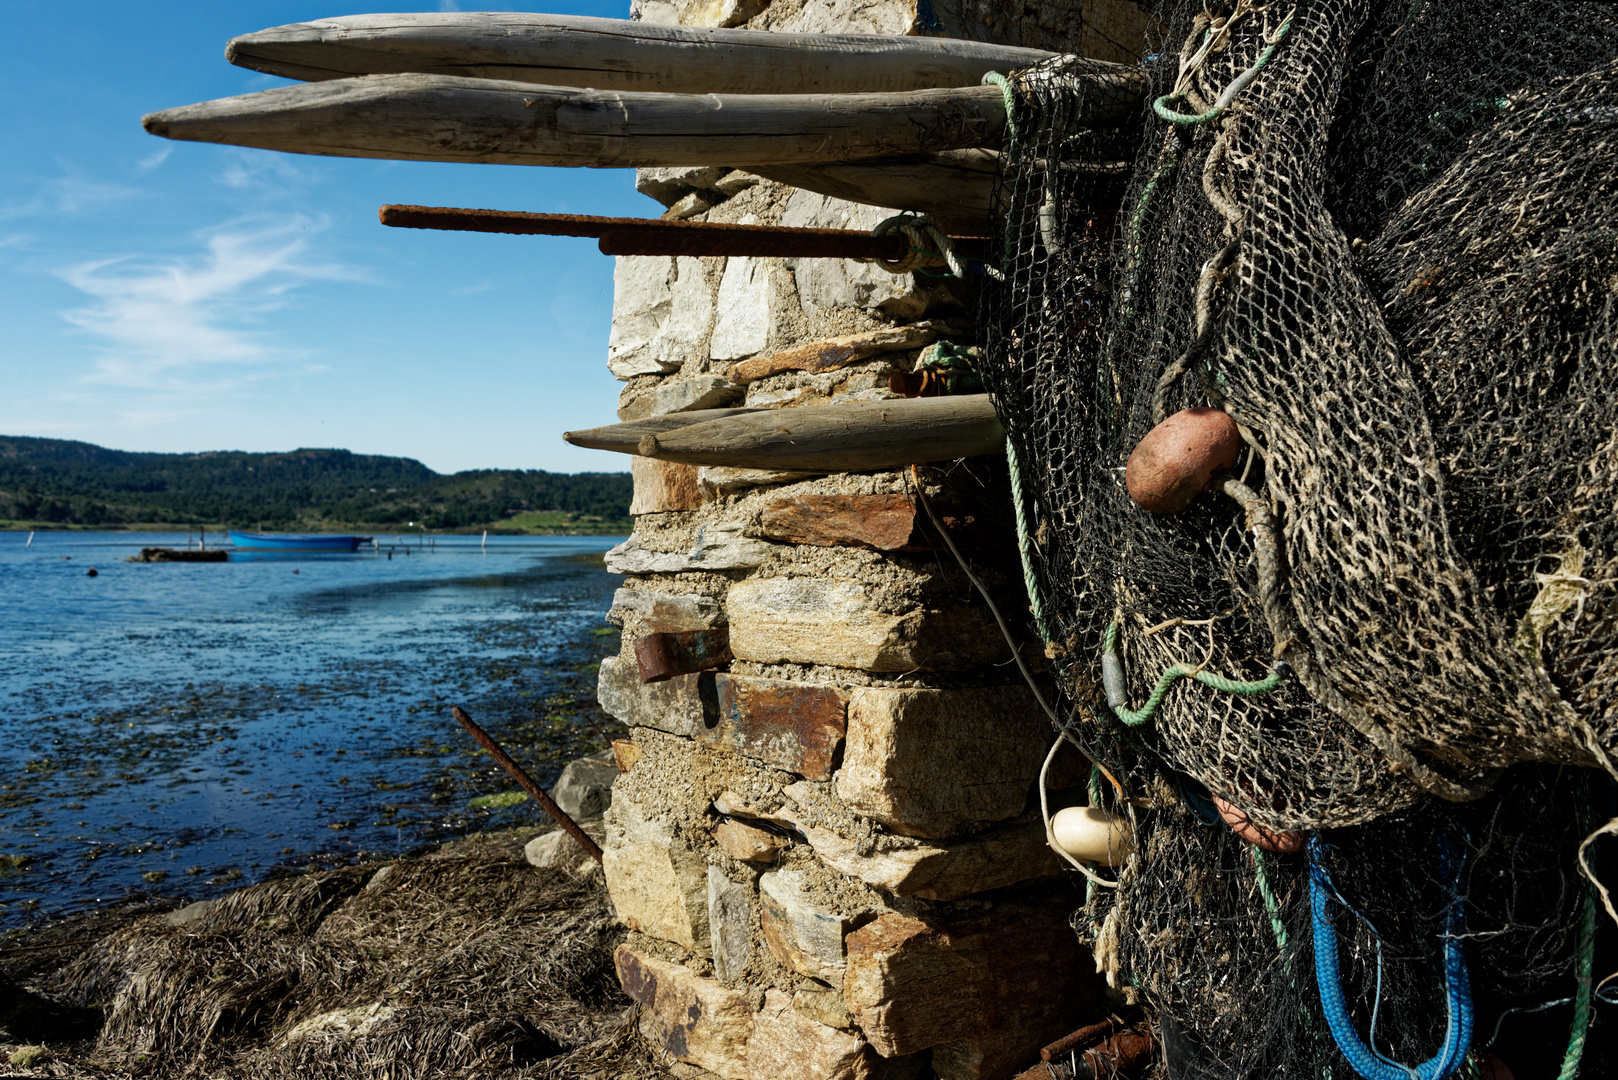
x=1379, y=234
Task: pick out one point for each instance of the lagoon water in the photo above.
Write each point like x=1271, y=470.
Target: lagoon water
x=183, y=729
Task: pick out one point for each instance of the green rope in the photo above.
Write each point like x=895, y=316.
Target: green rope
x=1136, y=717
x=1009, y=240
x=994, y=78
x=1025, y=547
x=1237, y=85
x=1583, y=969
x=1272, y=906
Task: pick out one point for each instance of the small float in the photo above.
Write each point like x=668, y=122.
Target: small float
x=296, y=542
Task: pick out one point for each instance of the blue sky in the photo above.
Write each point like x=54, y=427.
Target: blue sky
x=173, y=296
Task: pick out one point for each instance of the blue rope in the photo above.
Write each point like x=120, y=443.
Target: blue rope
x=1458, y=990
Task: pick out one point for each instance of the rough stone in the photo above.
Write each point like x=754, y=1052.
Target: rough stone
x=1013, y=977
x=557, y=850
x=625, y=753
x=742, y=326
x=656, y=884
x=719, y=545
x=883, y=522
x=839, y=283
x=830, y=354
x=823, y=1007
x=667, y=613
x=669, y=186
x=737, y=181
x=717, y=480
x=663, y=487
x=946, y=871
x=698, y=1021
x=673, y=705
x=834, y=621
x=689, y=206
x=661, y=311
x=730, y=925
x=679, y=395
x=928, y=762
x=584, y=790
x=787, y=1045
x=794, y=726
x=747, y=843
x=800, y=933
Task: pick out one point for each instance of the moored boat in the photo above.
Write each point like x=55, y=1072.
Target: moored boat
x=296, y=542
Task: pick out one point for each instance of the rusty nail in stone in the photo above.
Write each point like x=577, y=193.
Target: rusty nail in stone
x=526, y=782
x=663, y=656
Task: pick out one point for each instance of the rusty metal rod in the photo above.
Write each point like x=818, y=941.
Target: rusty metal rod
x=1079, y=1040
x=652, y=236
x=526, y=782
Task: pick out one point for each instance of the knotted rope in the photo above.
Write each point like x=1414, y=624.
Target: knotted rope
x=930, y=245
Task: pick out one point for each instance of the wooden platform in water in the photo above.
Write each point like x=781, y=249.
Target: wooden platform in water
x=162, y=554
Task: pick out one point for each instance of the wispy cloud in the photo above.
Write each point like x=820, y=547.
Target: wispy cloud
x=196, y=323
x=66, y=195
x=448, y=5
x=259, y=170
x=154, y=159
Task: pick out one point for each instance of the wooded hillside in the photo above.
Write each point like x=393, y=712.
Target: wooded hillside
x=56, y=482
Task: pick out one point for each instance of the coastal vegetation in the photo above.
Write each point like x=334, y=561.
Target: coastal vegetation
x=57, y=483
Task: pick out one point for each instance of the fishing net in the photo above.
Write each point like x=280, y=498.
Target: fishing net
x=1379, y=236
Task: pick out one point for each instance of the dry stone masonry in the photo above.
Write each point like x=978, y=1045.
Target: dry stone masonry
x=828, y=850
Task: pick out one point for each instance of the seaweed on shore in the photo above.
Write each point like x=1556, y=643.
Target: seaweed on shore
x=467, y=961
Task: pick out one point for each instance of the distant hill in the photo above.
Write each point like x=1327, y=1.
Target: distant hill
x=49, y=482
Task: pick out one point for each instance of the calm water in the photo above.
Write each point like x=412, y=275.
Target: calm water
x=182, y=729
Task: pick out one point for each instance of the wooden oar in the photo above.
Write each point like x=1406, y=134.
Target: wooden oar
x=445, y=118
x=858, y=436
x=652, y=236
x=618, y=54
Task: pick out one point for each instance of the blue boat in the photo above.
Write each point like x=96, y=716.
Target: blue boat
x=292, y=542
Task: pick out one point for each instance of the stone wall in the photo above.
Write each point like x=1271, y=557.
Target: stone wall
x=827, y=849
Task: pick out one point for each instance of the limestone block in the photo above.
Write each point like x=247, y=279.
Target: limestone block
x=661, y=311
x=625, y=753
x=697, y=1020
x=841, y=283
x=719, y=545
x=668, y=613
x=794, y=726
x=657, y=885
x=717, y=480
x=787, y=1045
x=820, y=620
x=801, y=933
x=679, y=395
x=689, y=206
x=823, y=1007
x=737, y=181
x=850, y=17
x=830, y=354
x=730, y=925
x=719, y=12
x=673, y=705
x=747, y=843
x=927, y=762
x=743, y=324
x=584, y=790
x=947, y=870
x=669, y=186
x=663, y=487
x=1009, y=980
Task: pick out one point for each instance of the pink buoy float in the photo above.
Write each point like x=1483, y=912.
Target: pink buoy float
x=1173, y=464
x=1281, y=843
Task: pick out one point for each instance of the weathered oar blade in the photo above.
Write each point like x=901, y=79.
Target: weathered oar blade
x=859, y=436
x=624, y=438
x=445, y=118
x=617, y=54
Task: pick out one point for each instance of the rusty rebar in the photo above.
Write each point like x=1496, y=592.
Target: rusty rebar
x=653, y=236
x=526, y=782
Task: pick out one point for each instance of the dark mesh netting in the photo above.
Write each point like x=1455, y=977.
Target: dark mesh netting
x=1380, y=237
